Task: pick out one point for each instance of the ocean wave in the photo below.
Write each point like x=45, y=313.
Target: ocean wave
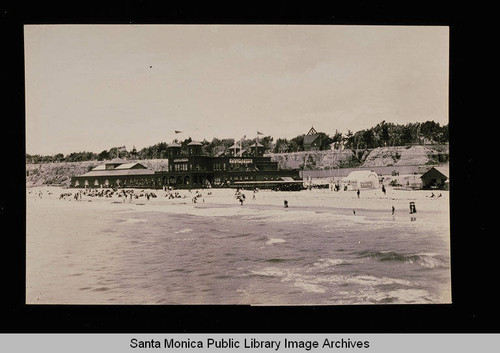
x=427, y=260
x=327, y=263
x=272, y=241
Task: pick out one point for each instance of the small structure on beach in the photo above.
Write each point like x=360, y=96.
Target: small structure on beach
x=361, y=179
x=115, y=173
x=435, y=178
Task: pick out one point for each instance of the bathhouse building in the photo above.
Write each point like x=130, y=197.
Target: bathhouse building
x=190, y=168
x=116, y=173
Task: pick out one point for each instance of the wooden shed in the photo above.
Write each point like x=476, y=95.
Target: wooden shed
x=435, y=178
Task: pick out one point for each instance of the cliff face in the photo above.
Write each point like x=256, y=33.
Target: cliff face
x=313, y=159
x=400, y=156
x=378, y=157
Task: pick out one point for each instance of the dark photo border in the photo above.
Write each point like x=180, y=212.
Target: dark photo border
x=472, y=285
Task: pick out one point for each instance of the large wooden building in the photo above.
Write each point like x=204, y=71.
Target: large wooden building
x=116, y=173
x=190, y=168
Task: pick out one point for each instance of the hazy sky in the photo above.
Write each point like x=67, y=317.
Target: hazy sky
x=93, y=87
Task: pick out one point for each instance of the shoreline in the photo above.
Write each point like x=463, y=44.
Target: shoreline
x=372, y=204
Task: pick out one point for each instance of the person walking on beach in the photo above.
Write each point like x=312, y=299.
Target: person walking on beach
x=383, y=189
x=358, y=192
x=393, y=209
x=285, y=203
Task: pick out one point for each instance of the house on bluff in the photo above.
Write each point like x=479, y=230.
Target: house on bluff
x=312, y=141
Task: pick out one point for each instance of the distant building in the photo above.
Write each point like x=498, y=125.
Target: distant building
x=312, y=141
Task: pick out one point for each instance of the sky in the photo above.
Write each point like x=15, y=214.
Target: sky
x=94, y=87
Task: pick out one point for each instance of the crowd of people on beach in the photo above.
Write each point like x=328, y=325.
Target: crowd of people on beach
x=131, y=194
x=124, y=194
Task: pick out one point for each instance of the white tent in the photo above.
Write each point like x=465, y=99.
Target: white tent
x=361, y=179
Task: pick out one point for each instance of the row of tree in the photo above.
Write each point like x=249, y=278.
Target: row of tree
x=383, y=134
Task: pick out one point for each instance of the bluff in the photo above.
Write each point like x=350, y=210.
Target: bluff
x=60, y=173
x=378, y=157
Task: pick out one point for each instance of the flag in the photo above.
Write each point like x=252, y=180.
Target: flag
x=259, y=133
x=177, y=131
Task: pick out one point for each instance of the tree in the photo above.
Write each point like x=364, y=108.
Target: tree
x=296, y=144
x=385, y=133
x=58, y=157
x=103, y=156
x=349, y=139
x=368, y=138
x=431, y=131
x=281, y=145
x=267, y=142
x=408, y=134
x=134, y=154
x=325, y=141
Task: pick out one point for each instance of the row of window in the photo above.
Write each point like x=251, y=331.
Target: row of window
x=183, y=167
x=220, y=166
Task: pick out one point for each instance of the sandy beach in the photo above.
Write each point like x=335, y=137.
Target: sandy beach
x=372, y=201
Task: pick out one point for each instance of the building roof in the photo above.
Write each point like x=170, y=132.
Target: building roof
x=130, y=166
x=256, y=144
x=235, y=146
x=117, y=172
x=123, y=169
x=360, y=175
x=308, y=139
x=312, y=131
x=436, y=172
x=174, y=144
x=195, y=143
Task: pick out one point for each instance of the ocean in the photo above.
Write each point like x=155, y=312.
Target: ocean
x=176, y=252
